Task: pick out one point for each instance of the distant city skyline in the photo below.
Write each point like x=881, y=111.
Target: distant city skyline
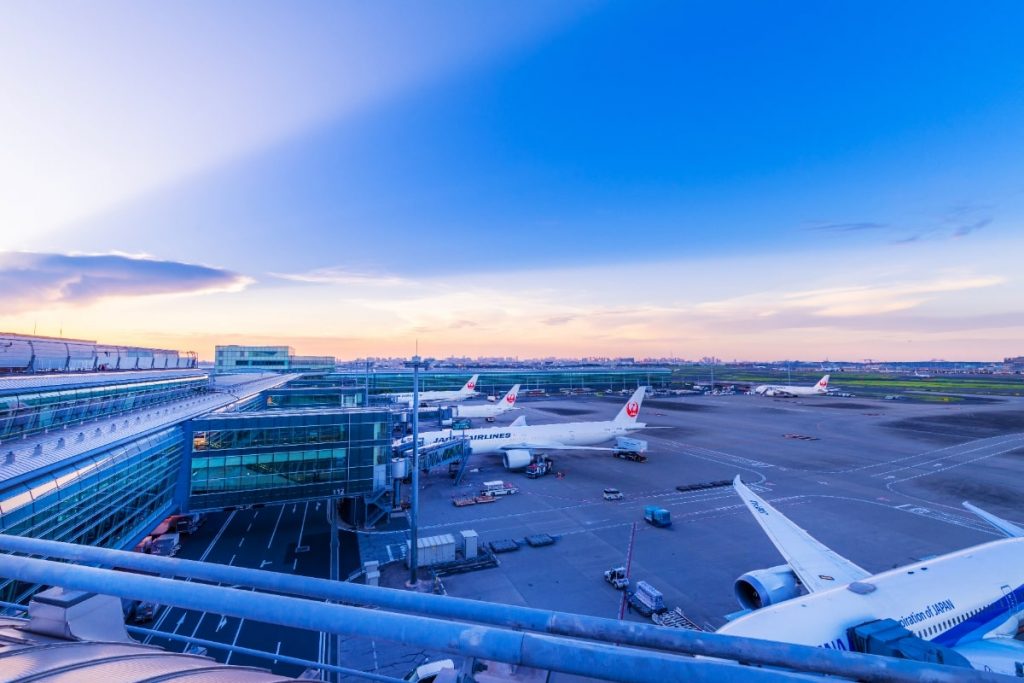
x=527, y=180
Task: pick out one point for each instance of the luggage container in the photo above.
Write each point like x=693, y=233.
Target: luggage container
x=433, y=550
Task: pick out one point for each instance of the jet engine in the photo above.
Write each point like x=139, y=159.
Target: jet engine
x=763, y=587
x=517, y=459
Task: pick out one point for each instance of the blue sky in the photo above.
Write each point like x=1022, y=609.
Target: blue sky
x=653, y=178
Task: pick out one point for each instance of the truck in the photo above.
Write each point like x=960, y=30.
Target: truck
x=540, y=466
x=626, y=446
x=498, y=488
x=166, y=545
x=462, y=423
x=617, y=578
x=646, y=599
x=656, y=516
x=188, y=524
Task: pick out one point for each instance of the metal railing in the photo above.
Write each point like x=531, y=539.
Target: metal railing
x=557, y=641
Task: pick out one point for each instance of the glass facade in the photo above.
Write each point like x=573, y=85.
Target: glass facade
x=497, y=381
x=31, y=412
x=106, y=499
x=313, y=397
x=267, y=359
x=275, y=456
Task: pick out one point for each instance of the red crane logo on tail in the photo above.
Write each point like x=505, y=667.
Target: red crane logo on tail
x=632, y=409
x=511, y=398
x=471, y=385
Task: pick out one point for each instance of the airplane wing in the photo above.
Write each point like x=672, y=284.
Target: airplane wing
x=1008, y=528
x=817, y=567
x=550, y=446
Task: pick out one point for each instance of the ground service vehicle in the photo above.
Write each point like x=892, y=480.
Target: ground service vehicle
x=498, y=488
x=611, y=494
x=539, y=467
x=617, y=578
x=647, y=599
x=656, y=516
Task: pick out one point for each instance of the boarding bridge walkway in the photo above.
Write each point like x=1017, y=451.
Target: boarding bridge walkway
x=438, y=454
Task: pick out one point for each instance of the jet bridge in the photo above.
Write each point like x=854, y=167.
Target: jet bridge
x=457, y=450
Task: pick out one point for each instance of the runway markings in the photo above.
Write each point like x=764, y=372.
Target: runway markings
x=302, y=528
x=274, y=532
x=206, y=553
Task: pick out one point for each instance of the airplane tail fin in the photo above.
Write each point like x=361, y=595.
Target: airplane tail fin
x=509, y=401
x=632, y=408
x=822, y=385
x=470, y=386
x=519, y=422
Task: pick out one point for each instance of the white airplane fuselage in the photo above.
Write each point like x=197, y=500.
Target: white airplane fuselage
x=434, y=396
x=482, y=410
x=784, y=390
x=953, y=600
x=496, y=439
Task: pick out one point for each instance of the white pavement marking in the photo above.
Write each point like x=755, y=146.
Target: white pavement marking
x=295, y=563
x=231, y=561
x=277, y=650
x=240, y=542
x=274, y=532
x=222, y=623
x=303, y=526
x=167, y=611
x=264, y=563
x=234, y=641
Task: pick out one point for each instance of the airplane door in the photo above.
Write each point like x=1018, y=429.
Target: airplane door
x=1011, y=599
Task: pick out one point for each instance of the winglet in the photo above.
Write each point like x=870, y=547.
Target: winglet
x=632, y=407
x=1008, y=528
x=519, y=422
x=822, y=385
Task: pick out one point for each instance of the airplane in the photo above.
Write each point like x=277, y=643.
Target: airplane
x=467, y=390
x=968, y=604
x=787, y=391
x=517, y=441
x=489, y=410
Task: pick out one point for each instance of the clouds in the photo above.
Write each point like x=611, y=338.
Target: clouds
x=952, y=222
x=38, y=281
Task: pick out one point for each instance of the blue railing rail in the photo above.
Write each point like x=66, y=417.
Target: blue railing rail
x=547, y=629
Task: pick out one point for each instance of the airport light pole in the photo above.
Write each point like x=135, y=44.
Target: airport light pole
x=416, y=363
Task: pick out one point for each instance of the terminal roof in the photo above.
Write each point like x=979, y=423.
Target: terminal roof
x=51, y=449
x=27, y=656
x=17, y=384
